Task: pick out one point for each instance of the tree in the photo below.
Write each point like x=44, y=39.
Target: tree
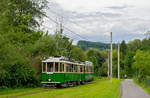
x=147, y=34
x=15, y=67
x=123, y=47
x=77, y=54
x=145, y=45
x=142, y=64
x=97, y=57
x=128, y=63
x=134, y=45
x=20, y=18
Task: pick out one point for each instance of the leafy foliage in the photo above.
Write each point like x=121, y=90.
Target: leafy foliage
x=142, y=64
x=98, y=58
x=18, y=22
x=123, y=47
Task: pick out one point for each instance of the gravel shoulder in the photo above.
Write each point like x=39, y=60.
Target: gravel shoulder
x=131, y=90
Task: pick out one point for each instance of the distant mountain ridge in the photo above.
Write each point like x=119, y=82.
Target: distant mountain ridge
x=88, y=44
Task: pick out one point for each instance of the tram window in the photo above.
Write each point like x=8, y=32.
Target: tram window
x=61, y=67
x=84, y=69
x=44, y=67
x=80, y=68
x=89, y=69
x=56, y=67
x=49, y=67
x=72, y=69
x=75, y=68
x=67, y=67
x=70, y=66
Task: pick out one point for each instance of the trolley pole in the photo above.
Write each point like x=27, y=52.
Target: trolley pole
x=111, y=57
x=118, y=61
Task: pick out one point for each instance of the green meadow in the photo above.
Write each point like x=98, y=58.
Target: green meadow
x=99, y=88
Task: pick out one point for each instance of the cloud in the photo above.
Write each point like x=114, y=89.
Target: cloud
x=94, y=19
x=117, y=7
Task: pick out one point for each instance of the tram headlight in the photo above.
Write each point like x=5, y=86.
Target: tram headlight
x=49, y=79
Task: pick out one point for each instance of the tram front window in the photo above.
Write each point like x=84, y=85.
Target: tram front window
x=44, y=67
x=49, y=67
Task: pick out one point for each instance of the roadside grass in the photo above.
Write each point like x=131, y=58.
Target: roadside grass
x=143, y=85
x=99, y=88
x=4, y=93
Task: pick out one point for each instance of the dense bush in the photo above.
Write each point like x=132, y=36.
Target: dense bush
x=15, y=67
x=18, y=34
x=142, y=64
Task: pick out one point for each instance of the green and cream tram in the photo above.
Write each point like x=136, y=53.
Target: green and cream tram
x=60, y=71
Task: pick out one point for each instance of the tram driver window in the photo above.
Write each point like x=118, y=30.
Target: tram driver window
x=44, y=67
x=50, y=67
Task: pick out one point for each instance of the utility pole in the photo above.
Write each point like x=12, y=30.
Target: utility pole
x=108, y=66
x=61, y=25
x=118, y=61
x=57, y=26
x=111, y=57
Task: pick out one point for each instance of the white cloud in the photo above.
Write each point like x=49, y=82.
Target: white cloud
x=93, y=19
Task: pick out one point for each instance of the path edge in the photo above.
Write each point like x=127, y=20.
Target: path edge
x=121, y=91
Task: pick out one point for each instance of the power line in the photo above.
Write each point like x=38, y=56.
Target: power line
x=57, y=14
x=63, y=33
x=72, y=22
x=81, y=37
x=67, y=29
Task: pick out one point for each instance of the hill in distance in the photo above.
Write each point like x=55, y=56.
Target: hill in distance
x=99, y=45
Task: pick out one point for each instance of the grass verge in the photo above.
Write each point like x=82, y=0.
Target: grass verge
x=143, y=85
x=99, y=88
x=5, y=93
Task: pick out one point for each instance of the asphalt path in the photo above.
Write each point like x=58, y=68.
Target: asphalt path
x=131, y=90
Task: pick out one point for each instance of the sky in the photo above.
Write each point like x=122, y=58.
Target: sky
x=93, y=20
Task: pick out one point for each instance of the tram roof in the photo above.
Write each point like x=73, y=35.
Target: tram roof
x=66, y=60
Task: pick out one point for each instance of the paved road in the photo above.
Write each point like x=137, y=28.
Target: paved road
x=131, y=90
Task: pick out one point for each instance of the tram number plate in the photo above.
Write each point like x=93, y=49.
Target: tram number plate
x=49, y=72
